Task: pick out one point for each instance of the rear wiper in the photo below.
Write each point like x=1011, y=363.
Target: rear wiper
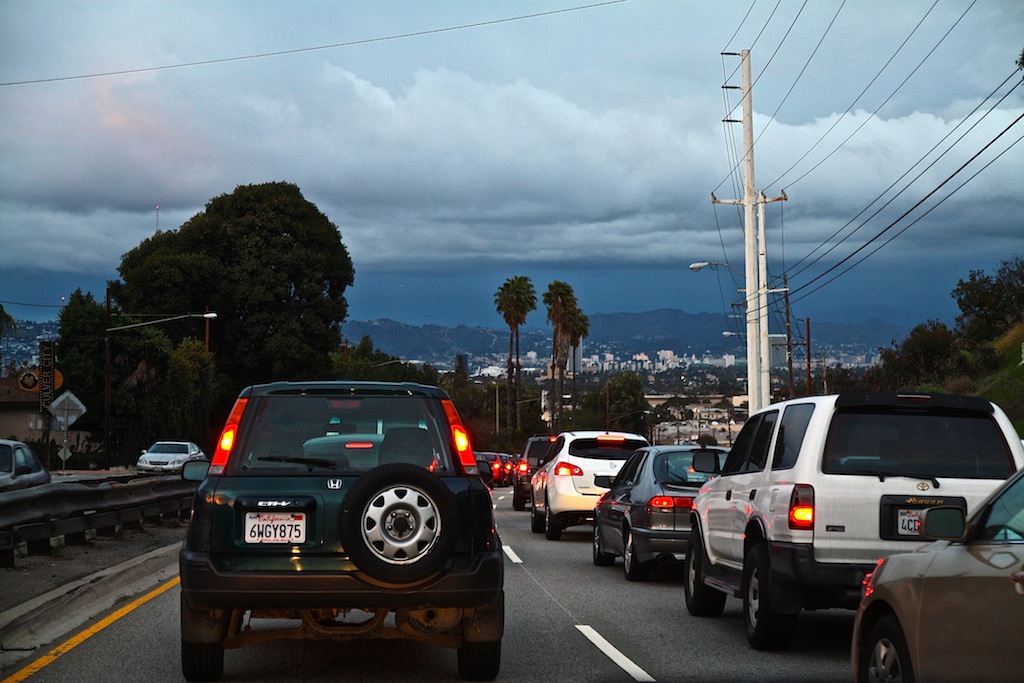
x=882, y=475
x=311, y=462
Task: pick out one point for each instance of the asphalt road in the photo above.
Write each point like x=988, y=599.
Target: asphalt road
x=566, y=620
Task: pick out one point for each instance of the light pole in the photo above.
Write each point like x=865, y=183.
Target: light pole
x=754, y=332
x=106, y=377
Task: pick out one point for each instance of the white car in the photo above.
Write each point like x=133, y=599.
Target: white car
x=577, y=469
x=168, y=456
x=815, y=490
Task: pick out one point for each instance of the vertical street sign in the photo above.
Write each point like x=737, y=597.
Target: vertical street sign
x=45, y=374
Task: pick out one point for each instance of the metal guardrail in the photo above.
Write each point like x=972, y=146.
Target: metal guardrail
x=36, y=515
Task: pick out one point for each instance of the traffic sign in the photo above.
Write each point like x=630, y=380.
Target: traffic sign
x=66, y=408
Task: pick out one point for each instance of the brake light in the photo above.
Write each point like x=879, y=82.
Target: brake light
x=801, y=507
x=496, y=466
x=359, y=445
x=460, y=439
x=606, y=440
x=567, y=469
x=227, y=439
x=667, y=502
x=524, y=467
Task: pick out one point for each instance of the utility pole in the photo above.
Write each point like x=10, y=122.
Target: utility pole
x=755, y=256
x=789, y=336
x=755, y=394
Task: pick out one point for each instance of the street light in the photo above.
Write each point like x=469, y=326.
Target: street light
x=208, y=316
x=757, y=325
x=701, y=265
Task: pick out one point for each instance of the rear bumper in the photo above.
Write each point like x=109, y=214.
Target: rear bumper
x=822, y=584
x=469, y=583
x=660, y=544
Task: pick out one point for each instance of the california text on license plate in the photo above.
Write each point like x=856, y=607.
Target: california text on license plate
x=275, y=527
x=909, y=523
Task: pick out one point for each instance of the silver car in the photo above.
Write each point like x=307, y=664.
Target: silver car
x=19, y=466
x=168, y=456
x=954, y=610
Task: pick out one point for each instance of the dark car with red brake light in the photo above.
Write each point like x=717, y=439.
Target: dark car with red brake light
x=644, y=517
x=336, y=511
x=535, y=448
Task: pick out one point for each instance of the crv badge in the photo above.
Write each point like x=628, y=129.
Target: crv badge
x=334, y=484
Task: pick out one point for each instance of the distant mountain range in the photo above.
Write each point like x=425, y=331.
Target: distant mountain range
x=620, y=333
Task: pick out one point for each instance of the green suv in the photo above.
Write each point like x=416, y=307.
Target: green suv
x=341, y=510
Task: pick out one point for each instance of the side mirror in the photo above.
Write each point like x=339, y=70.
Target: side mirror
x=604, y=480
x=195, y=470
x=946, y=523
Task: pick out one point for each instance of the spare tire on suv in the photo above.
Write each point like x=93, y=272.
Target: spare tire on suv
x=337, y=505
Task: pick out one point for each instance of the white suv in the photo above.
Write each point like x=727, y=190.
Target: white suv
x=816, y=490
x=571, y=478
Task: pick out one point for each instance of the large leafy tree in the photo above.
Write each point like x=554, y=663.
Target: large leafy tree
x=515, y=299
x=990, y=305
x=619, y=405
x=156, y=390
x=7, y=324
x=272, y=267
x=366, y=362
x=80, y=356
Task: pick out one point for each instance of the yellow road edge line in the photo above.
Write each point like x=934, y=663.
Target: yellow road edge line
x=80, y=638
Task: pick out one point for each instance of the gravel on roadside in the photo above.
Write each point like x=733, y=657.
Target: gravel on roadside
x=34, y=575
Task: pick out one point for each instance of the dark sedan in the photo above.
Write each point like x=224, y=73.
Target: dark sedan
x=645, y=515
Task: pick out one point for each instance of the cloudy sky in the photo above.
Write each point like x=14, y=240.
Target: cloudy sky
x=456, y=144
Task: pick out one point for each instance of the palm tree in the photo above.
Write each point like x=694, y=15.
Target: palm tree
x=561, y=304
x=578, y=327
x=514, y=300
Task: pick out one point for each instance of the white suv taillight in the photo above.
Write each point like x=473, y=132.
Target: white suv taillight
x=801, y=507
x=567, y=469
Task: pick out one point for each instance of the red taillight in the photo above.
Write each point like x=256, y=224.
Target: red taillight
x=227, y=438
x=359, y=445
x=524, y=467
x=666, y=502
x=606, y=440
x=460, y=439
x=801, y=507
x=567, y=469
x=496, y=466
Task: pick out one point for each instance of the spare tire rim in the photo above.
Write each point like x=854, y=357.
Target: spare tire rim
x=401, y=524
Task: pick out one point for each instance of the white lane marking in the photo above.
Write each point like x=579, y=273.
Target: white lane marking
x=511, y=555
x=624, y=662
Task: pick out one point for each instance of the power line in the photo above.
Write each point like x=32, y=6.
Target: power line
x=282, y=53
x=907, y=212
x=21, y=303
x=904, y=175
x=877, y=109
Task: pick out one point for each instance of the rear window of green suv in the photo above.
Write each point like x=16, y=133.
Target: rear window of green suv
x=291, y=435
x=934, y=444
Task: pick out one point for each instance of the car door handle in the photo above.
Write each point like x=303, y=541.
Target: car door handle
x=753, y=492
x=728, y=494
